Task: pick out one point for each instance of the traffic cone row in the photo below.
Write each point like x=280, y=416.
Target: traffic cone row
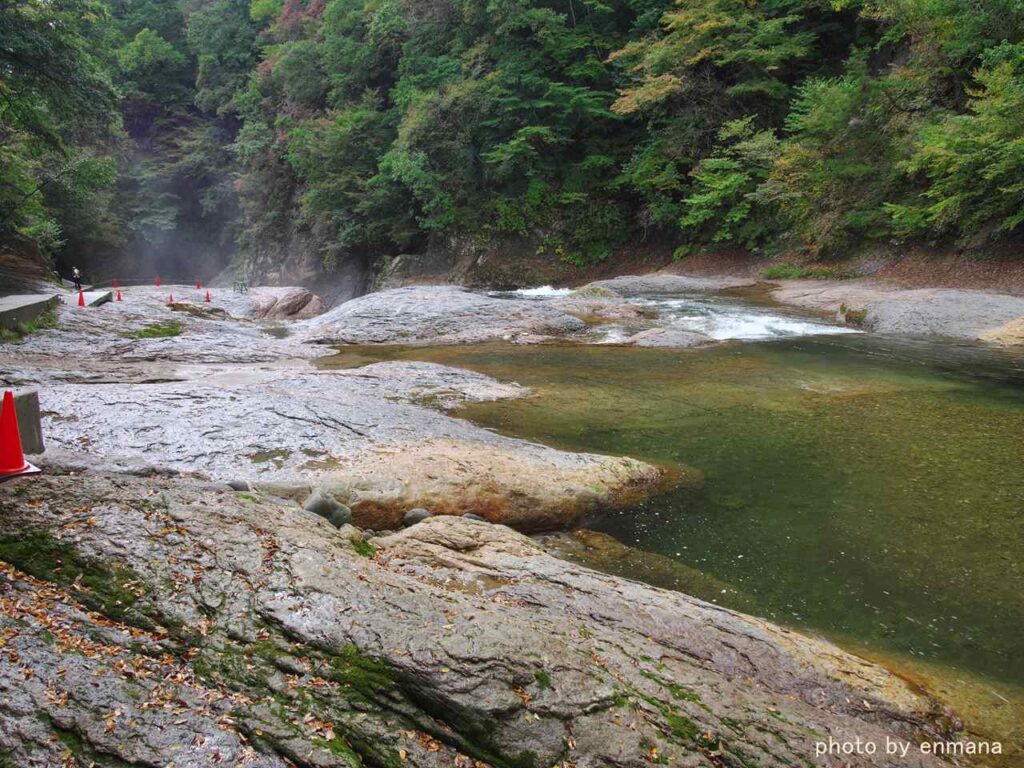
x=12, y=458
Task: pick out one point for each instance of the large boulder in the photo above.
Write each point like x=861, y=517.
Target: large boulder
x=594, y=308
x=439, y=315
x=285, y=304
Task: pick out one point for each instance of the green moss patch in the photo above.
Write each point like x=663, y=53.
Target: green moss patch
x=110, y=590
x=160, y=330
x=47, y=319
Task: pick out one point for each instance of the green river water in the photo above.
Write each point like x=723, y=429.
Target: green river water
x=867, y=489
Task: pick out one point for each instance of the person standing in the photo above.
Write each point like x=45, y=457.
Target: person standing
x=76, y=276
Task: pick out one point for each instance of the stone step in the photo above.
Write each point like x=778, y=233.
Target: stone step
x=95, y=298
x=18, y=309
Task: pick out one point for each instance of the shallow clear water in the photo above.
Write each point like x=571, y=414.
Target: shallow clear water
x=868, y=488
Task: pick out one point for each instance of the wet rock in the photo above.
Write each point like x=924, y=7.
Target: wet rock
x=435, y=314
x=414, y=516
x=668, y=337
x=601, y=308
x=608, y=555
x=329, y=508
x=441, y=644
x=285, y=303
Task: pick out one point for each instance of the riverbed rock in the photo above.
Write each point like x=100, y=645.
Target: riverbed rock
x=291, y=303
x=246, y=632
x=329, y=508
x=414, y=516
x=591, y=308
x=437, y=315
x=668, y=336
x=362, y=435
x=93, y=343
x=942, y=312
x=664, y=283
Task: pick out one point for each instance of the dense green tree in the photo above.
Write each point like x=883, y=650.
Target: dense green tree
x=203, y=129
x=57, y=116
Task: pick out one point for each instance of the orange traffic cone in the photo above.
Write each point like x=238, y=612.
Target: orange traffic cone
x=119, y=296
x=12, y=460
x=199, y=285
x=207, y=297
x=81, y=299
x=158, y=281
x=171, y=299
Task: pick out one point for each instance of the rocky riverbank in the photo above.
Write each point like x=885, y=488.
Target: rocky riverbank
x=159, y=621
x=168, y=600
x=951, y=313
x=214, y=391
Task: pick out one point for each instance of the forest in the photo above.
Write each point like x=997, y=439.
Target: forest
x=219, y=129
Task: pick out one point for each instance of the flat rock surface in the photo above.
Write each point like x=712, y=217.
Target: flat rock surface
x=232, y=628
x=601, y=308
x=438, y=315
x=368, y=434
x=945, y=312
x=115, y=332
x=661, y=283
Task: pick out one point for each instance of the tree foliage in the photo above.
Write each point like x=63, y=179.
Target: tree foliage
x=370, y=127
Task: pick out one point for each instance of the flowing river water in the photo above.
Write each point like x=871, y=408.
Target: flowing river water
x=870, y=489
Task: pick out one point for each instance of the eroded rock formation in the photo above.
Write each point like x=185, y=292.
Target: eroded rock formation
x=232, y=628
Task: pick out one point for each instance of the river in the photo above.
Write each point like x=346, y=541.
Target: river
x=863, y=487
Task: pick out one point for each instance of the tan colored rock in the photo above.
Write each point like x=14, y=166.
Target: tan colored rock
x=1008, y=334
x=526, y=490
